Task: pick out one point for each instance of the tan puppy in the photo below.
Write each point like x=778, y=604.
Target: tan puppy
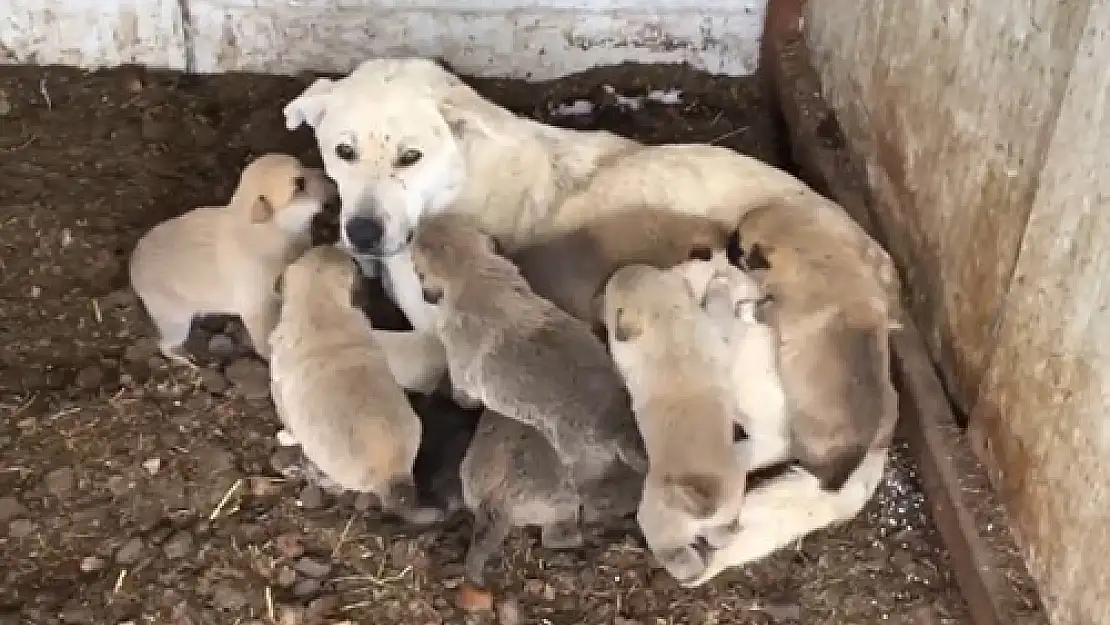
x=521, y=355
x=511, y=477
x=333, y=389
x=831, y=307
x=225, y=259
x=570, y=269
x=672, y=361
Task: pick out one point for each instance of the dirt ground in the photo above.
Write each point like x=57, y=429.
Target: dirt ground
x=133, y=493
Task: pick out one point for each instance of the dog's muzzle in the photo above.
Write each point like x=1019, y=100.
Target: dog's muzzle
x=366, y=234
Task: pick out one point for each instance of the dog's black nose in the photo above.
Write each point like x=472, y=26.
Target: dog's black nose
x=365, y=234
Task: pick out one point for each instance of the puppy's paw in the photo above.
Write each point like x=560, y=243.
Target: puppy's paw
x=685, y=564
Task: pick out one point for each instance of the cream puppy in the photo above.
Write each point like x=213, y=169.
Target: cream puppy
x=225, y=259
x=333, y=388
x=672, y=361
x=521, y=355
x=511, y=477
x=737, y=305
x=570, y=269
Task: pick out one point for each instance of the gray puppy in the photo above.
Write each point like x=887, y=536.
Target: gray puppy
x=570, y=269
x=511, y=477
x=521, y=355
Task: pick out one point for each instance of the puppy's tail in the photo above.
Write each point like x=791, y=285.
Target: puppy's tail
x=698, y=494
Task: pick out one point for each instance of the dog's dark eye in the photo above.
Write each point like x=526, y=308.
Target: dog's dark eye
x=345, y=152
x=409, y=157
x=701, y=253
x=299, y=184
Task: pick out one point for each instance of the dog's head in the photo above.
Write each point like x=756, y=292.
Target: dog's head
x=278, y=189
x=322, y=267
x=636, y=297
x=447, y=247
x=391, y=137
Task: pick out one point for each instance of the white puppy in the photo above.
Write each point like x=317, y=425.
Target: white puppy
x=333, y=388
x=672, y=362
x=404, y=138
x=225, y=259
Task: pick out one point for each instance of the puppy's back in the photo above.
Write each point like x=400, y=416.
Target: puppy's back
x=177, y=256
x=570, y=269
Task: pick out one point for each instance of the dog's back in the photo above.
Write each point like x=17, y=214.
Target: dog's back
x=832, y=311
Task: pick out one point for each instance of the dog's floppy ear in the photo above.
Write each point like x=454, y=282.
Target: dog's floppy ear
x=627, y=325
x=698, y=495
x=460, y=118
x=310, y=106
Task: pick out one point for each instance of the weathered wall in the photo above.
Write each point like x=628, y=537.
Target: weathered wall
x=514, y=38
x=986, y=134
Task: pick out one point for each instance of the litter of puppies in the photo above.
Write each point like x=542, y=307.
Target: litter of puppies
x=511, y=246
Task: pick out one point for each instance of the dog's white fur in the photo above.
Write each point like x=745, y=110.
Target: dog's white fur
x=225, y=259
x=672, y=361
x=332, y=385
x=522, y=179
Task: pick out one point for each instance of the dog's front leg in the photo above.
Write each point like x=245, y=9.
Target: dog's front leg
x=403, y=287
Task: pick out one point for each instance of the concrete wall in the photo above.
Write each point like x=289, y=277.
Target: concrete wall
x=987, y=138
x=536, y=39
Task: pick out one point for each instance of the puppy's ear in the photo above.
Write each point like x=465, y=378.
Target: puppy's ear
x=697, y=495
x=262, y=210
x=309, y=107
x=626, y=325
x=756, y=258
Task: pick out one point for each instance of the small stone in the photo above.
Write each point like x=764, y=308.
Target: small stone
x=323, y=607
x=213, y=381
x=534, y=587
x=306, y=588
x=263, y=486
x=5, y=105
x=508, y=612
x=60, y=482
x=365, y=501
x=227, y=597
x=474, y=599
x=130, y=552
x=286, y=577
x=141, y=351
x=10, y=508
x=179, y=545
x=152, y=465
x=311, y=497
x=90, y=377
x=292, y=615
x=288, y=546
x=91, y=564
x=312, y=568
x=221, y=346
x=20, y=528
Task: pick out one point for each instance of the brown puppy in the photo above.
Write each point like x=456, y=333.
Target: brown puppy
x=225, y=259
x=831, y=307
x=521, y=355
x=333, y=389
x=570, y=269
x=511, y=477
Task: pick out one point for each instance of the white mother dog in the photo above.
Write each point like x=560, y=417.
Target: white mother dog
x=404, y=138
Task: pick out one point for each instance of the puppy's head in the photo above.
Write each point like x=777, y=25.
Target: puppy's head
x=322, y=267
x=391, y=135
x=278, y=189
x=447, y=247
x=638, y=296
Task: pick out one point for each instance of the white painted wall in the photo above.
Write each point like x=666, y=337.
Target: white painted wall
x=535, y=39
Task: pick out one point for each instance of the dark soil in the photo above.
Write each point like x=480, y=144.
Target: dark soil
x=133, y=492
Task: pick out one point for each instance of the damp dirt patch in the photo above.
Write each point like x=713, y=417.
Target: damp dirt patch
x=134, y=492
